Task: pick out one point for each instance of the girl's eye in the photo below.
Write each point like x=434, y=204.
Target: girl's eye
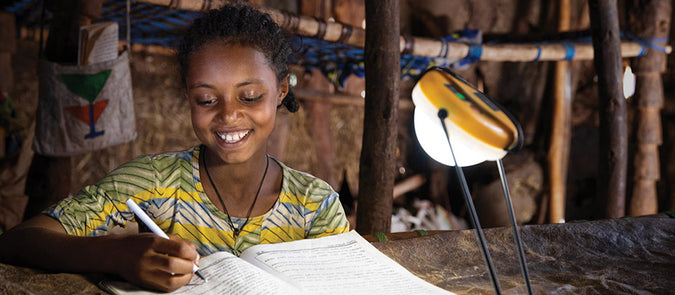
x=251, y=98
x=206, y=100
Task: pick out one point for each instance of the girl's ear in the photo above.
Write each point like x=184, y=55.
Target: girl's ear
x=284, y=87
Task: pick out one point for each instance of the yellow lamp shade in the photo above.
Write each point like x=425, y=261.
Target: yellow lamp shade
x=479, y=128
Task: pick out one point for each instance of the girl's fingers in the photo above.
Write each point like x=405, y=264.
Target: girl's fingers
x=177, y=247
x=158, y=263
x=166, y=282
x=171, y=264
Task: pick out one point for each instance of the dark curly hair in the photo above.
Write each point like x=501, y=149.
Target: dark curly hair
x=241, y=24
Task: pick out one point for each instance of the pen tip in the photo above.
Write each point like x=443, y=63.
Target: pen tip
x=199, y=274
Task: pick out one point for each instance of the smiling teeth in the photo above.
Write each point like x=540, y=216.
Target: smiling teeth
x=232, y=137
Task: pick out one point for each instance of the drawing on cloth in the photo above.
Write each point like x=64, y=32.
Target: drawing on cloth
x=87, y=86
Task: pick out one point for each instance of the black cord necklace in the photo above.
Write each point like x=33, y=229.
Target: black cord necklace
x=236, y=230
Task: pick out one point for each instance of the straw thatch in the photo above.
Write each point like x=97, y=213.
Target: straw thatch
x=163, y=121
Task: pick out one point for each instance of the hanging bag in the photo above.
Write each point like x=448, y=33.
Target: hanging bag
x=83, y=108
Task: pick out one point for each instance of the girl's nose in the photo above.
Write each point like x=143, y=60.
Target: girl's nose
x=229, y=110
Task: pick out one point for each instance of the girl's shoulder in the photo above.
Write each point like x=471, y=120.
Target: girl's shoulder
x=302, y=183
x=185, y=155
x=160, y=162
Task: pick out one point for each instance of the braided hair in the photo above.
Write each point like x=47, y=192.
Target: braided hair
x=240, y=24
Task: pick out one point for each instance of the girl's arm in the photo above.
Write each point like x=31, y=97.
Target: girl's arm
x=143, y=259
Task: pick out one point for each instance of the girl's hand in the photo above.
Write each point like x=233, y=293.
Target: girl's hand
x=143, y=259
x=153, y=262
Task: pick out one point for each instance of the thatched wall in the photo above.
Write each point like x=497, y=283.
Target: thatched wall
x=163, y=122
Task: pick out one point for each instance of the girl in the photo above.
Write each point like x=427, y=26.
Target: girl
x=224, y=195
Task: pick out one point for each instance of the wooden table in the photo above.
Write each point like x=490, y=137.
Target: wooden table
x=618, y=256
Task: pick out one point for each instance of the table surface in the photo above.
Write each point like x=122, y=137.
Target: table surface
x=617, y=256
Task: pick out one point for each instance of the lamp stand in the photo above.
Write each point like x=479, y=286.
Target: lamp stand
x=514, y=226
x=442, y=114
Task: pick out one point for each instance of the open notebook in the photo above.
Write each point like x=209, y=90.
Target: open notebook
x=339, y=264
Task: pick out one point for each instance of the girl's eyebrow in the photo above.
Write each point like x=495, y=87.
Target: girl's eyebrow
x=241, y=84
x=249, y=82
x=201, y=85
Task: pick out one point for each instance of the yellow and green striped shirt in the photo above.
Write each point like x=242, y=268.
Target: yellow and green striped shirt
x=168, y=188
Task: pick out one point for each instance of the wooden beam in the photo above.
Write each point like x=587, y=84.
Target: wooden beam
x=7, y=48
x=378, y=153
x=355, y=36
x=613, y=145
x=649, y=20
x=409, y=184
x=559, y=149
x=49, y=177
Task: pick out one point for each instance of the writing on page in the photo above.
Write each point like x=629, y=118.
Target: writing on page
x=345, y=264
x=233, y=276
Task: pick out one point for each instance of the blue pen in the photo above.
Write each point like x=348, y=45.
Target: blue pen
x=155, y=229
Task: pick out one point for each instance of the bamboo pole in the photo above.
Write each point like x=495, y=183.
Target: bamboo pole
x=378, y=153
x=355, y=36
x=559, y=149
x=650, y=20
x=613, y=130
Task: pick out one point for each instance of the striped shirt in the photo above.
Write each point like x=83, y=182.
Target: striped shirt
x=168, y=188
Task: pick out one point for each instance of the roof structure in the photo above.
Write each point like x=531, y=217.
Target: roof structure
x=150, y=24
x=163, y=26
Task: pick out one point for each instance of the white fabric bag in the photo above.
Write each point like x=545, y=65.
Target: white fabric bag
x=84, y=108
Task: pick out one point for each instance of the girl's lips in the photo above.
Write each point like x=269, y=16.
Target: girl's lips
x=233, y=137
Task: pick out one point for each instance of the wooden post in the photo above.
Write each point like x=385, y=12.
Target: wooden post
x=648, y=20
x=378, y=154
x=613, y=130
x=7, y=48
x=49, y=177
x=559, y=149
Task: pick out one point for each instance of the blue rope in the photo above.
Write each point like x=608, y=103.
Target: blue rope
x=475, y=52
x=647, y=43
x=444, y=48
x=538, y=52
x=569, y=50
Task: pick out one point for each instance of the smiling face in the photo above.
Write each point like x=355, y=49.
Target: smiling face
x=233, y=95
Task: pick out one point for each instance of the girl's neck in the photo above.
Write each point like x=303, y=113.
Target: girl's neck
x=235, y=181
